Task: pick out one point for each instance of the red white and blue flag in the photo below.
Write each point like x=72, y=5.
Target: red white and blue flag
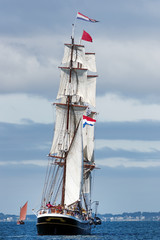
x=85, y=18
x=88, y=121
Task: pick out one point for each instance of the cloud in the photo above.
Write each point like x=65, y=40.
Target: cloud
x=117, y=108
x=131, y=67
x=134, y=145
x=127, y=163
x=22, y=108
x=29, y=144
x=20, y=17
x=25, y=142
x=40, y=163
x=31, y=66
x=24, y=70
x=127, y=153
x=137, y=130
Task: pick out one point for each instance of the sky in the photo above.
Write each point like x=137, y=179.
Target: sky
x=126, y=41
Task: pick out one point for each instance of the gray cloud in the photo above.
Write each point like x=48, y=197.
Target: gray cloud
x=125, y=41
x=120, y=17
x=107, y=153
x=32, y=141
x=141, y=130
x=25, y=142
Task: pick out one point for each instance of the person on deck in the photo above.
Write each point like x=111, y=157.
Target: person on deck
x=59, y=208
x=49, y=205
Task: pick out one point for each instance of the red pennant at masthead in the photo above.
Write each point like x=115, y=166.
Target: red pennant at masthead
x=86, y=37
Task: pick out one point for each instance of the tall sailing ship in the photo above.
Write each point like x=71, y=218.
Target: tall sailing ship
x=66, y=200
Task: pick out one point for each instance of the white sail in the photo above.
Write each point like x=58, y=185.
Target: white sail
x=78, y=55
x=88, y=155
x=87, y=60
x=74, y=169
x=76, y=86
x=88, y=141
x=90, y=86
x=58, y=144
x=87, y=186
x=81, y=85
x=87, y=183
x=90, y=62
x=62, y=137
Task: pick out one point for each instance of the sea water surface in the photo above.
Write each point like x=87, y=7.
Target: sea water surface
x=106, y=231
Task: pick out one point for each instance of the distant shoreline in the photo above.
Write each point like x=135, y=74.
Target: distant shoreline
x=134, y=216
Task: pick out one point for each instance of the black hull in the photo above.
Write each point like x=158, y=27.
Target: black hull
x=62, y=225
x=19, y=222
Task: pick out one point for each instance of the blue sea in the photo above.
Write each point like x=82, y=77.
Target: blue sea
x=107, y=231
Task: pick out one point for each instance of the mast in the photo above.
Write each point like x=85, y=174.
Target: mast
x=68, y=109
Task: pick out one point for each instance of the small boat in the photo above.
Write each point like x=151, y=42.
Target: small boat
x=23, y=212
x=66, y=206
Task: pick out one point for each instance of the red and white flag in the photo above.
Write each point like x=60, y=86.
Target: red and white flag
x=86, y=37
